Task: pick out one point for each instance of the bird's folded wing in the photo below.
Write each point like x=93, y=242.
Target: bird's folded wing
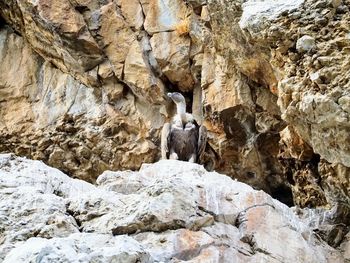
x=202, y=141
x=165, y=140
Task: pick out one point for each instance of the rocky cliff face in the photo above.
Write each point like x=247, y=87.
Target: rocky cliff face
x=309, y=45
x=82, y=87
x=169, y=211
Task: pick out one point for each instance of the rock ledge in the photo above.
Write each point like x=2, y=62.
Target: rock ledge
x=169, y=211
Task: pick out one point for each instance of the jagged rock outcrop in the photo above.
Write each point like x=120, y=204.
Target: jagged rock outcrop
x=310, y=57
x=49, y=115
x=314, y=81
x=98, y=103
x=83, y=83
x=169, y=211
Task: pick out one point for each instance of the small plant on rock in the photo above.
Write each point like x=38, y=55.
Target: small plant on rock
x=183, y=28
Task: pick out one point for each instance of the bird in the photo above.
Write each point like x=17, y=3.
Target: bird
x=182, y=138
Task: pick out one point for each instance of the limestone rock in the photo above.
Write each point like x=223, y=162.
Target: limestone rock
x=172, y=53
x=258, y=14
x=330, y=224
x=238, y=86
x=164, y=15
x=311, y=85
x=323, y=113
x=139, y=75
x=116, y=37
x=303, y=103
x=83, y=84
x=133, y=12
x=83, y=247
x=335, y=182
x=219, y=80
x=305, y=43
x=33, y=201
x=345, y=247
x=50, y=116
x=58, y=33
x=176, y=211
x=231, y=42
x=117, y=125
x=296, y=147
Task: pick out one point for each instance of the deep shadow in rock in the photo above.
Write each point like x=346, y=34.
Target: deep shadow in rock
x=284, y=194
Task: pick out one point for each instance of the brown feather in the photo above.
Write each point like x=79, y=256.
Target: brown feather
x=202, y=142
x=184, y=142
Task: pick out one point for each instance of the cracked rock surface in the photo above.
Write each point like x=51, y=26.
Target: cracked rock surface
x=169, y=211
x=83, y=84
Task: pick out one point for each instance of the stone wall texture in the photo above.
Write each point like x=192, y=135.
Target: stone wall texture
x=169, y=211
x=83, y=84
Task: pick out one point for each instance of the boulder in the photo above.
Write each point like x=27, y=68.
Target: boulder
x=169, y=211
x=305, y=43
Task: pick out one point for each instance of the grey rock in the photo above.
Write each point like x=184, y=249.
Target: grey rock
x=345, y=247
x=257, y=14
x=80, y=248
x=32, y=201
x=172, y=211
x=305, y=43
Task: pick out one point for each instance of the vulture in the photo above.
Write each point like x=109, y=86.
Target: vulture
x=183, y=139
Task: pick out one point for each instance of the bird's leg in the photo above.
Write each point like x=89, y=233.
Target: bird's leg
x=193, y=158
x=173, y=156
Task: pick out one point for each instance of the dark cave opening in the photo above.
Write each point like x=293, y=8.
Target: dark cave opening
x=290, y=178
x=81, y=9
x=189, y=100
x=284, y=194
x=2, y=22
x=301, y=174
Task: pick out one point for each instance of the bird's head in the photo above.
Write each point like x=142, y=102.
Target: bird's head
x=176, y=97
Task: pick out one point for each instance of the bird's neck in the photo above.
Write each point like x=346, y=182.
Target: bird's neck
x=181, y=111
